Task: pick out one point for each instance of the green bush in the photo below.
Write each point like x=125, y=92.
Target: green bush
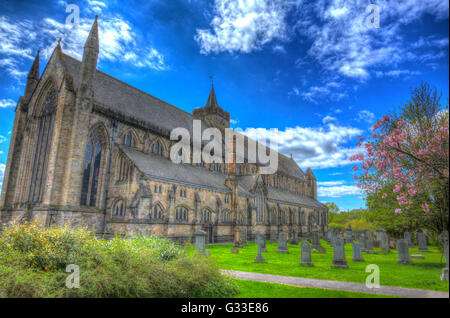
x=33, y=262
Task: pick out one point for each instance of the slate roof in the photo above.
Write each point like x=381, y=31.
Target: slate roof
x=158, y=167
x=286, y=196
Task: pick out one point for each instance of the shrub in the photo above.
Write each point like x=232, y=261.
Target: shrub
x=33, y=262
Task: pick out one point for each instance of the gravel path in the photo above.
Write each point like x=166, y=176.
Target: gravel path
x=331, y=284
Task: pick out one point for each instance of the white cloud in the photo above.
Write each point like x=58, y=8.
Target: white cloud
x=328, y=119
x=243, y=26
x=2, y=174
x=329, y=90
x=367, y=116
x=4, y=103
x=343, y=44
x=397, y=73
x=2, y=139
x=330, y=183
x=336, y=174
x=338, y=191
x=117, y=39
x=234, y=121
x=322, y=147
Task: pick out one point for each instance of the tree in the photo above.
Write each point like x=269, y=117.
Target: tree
x=407, y=157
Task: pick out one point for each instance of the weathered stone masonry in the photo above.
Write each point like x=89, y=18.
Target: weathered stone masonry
x=89, y=149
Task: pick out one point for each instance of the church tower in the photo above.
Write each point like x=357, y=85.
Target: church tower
x=212, y=113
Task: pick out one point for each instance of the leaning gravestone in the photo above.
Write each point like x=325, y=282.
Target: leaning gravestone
x=443, y=238
x=200, y=238
x=316, y=240
x=369, y=244
x=407, y=237
x=384, y=241
x=282, y=244
x=339, y=260
x=260, y=241
x=349, y=234
x=403, y=252
x=357, y=256
x=305, y=254
x=422, y=240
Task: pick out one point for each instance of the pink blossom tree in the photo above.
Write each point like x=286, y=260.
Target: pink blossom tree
x=410, y=150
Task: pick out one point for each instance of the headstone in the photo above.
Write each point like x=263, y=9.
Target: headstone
x=407, y=237
x=260, y=241
x=362, y=242
x=282, y=244
x=329, y=236
x=369, y=244
x=293, y=240
x=418, y=256
x=200, y=239
x=443, y=238
x=422, y=240
x=273, y=236
x=260, y=237
x=349, y=234
x=384, y=242
x=357, y=256
x=403, y=252
x=315, y=240
x=339, y=260
x=305, y=254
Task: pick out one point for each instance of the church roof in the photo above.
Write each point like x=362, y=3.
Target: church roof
x=277, y=194
x=159, y=167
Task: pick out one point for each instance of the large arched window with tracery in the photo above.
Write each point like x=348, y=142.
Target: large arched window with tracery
x=259, y=203
x=128, y=139
x=91, y=184
x=43, y=130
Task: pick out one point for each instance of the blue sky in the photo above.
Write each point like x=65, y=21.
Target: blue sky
x=311, y=69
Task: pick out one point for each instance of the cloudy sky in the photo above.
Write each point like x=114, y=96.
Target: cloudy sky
x=310, y=73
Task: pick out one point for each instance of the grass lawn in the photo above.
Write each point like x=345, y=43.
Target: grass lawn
x=423, y=274
x=250, y=289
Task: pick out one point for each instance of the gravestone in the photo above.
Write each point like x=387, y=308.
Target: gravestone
x=293, y=239
x=418, y=256
x=260, y=237
x=403, y=252
x=443, y=238
x=357, y=256
x=329, y=236
x=369, y=243
x=315, y=240
x=200, y=239
x=306, y=254
x=407, y=237
x=349, y=234
x=282, y=244
x=273, y=236
x=339, y=260
x=259, y=241
x=422, y=241
x=384, y=242
x=362, y=242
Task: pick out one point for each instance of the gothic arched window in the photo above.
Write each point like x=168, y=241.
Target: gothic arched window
x=43, y=131
x=129, y=140
x=91, y=183
x=259, y=207
x=119, y=209
x=157, y=148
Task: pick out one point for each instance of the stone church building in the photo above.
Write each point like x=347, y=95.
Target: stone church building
x=89, y=149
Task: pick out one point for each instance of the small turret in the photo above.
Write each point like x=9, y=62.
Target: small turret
x=212, y=113
x=89, y=61
x=32, y=79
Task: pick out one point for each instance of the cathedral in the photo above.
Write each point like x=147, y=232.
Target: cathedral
x=88, y=149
